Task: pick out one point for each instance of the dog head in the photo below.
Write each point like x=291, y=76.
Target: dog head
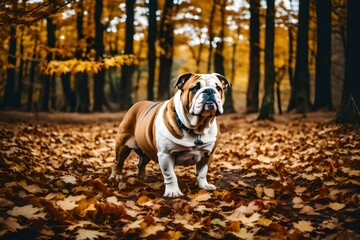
x=202, y=94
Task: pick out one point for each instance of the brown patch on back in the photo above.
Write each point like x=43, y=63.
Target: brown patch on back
x=170, y=120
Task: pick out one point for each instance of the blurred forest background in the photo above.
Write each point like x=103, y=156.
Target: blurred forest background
x=104, y=55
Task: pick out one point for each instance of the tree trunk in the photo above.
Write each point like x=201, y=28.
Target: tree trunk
x=45, y=91
x=211, y=35
x=127, y=70
x=32, y=76
x=99, y=77
x=151, y=47
x=300, y=91
x=350, y=100
x=219, y=59
x=290, y=55
x=166, y=39
x=69, y=94
x=323, y=57
x=20, y=85
x=82, y=92
x=267, y=105
x=82, y=99
x=9, y=95
x=252, y=95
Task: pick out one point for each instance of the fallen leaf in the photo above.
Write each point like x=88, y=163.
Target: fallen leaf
x=269, y=192
x=151, y=230
x=145, y=201
x=28, y=211
x=87, y=234
x=70, y=202
x=201, y=196
x=336, y=206
x=218, y=221
x=33, y=188
x=174, y=235
x=69, y=179
x=303, y=226
x=259, y=190
x=243, y=234
x=10, y=224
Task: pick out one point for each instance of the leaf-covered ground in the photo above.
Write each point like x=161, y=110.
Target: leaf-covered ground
x=294, y=178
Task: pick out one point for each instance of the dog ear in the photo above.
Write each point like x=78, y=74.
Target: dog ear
x=180, y=81
x=223, y=80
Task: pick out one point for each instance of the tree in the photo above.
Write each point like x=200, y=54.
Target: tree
x=219, y=57
x=211, y=34
x=9, y=94
x=48, y=78
x=348, y=111
x=323, y=57
x=127, y=70
x=81, y=83
x=166, y=40
x=267, y=105
x=300, y=89
x=99, y=77
x=151, y=47
x=252, y=95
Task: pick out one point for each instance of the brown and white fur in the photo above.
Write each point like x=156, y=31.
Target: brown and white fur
x=152, y=129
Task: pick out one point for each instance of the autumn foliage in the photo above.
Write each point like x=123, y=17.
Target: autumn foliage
x=291, y=179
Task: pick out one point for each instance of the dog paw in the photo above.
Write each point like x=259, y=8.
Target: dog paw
x=207, y=186
x=172, y=191
x=116, y=176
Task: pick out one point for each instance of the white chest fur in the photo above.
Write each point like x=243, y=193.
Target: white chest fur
x=183, y=151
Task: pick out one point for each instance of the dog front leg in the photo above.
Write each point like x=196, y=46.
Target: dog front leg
x=167, y=164
x=201, y=174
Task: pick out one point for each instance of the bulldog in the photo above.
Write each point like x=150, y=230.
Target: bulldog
x=179, y=131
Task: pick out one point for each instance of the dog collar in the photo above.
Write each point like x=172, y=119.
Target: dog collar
x=197, y=141
x=181, y=125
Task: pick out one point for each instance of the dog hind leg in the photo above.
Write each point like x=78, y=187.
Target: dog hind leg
x=143, y=161
x=122, y=152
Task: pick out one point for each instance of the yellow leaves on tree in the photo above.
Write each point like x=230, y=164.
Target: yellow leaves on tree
x=91, y=66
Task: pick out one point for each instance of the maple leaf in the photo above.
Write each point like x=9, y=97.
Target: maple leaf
x=303, y=226
x=69, y=203
x=202, y=195
x=84, y=234
x=239, y=216
x=218, y=221
x=10, y=224
x=151, y=230
x=185, y=223
x=309, y=210
x=133, y=226
x=243, y=234
x=28, y=211
x=33, y=188
x=69, y=179
x=336, y=206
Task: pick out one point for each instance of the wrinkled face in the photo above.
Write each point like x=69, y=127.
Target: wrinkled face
x=203, y=94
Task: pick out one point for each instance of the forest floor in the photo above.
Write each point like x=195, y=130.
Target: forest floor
x=295, y=178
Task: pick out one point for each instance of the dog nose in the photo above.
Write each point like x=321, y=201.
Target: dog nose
x=209, y=91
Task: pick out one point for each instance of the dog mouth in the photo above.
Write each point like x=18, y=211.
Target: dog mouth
x=210, y=105
x=209, y=108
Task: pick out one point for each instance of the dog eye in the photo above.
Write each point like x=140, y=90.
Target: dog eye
x=195, y=88
x=218, y=88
